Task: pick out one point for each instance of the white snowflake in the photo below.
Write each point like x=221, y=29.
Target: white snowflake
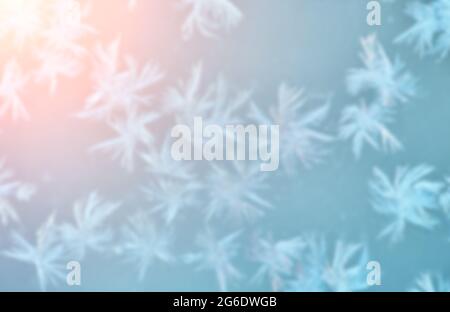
x=207, y=17
x=367, y=124
x=217, y=255
x=89, y=230
x=236, y=192
x=409, y=198
x=276, y=259
x=12, y=83
x=116, y=90
x=388, y=80
x=47, y=255
x=301, y=139
x=12, y=191
x=347, y=269
x=132, y=133
x=142, y=243
x=428, y=282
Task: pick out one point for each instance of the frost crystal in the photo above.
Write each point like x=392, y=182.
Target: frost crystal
x=209, y=16
x=430, y=32
x=428, y=282
x=236, y=192
x=277, y=259
x=408, y=198
x=11, y=191
x=388, y=80
x=217, y=255
x=89, y=230
x=47, y=255
x=13, y=80
x=301, y=139
x=367, y=124
x=142, y=243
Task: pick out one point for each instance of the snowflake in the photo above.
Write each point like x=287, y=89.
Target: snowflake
x=66, y=27
x=213, y=104
x=47, y=255
x=430, y=32
x=366, y=124
x=89, y=230
x=11, y=191
x=209, y=16
x=170, y=196
x=444, y=199
x=388, y=80
x=235, y=192
x=12, y=82
x=217, y=255
x=131, y=134
x=407, y=199
x=118, y=91
x=20, y=19
x=142, y=243
x=428, y=282
x=312, y=265
x=277, y=258
x=347, y=269
x=300, y=137
x=160, y=163
x=54, y=64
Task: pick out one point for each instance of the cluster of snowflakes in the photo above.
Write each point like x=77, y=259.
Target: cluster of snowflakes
x=219, y=197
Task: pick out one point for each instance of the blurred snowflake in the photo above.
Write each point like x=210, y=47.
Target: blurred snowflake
x=217, y=255
x=276, y=259
x=301, y=139
x=207, y=17
x=12, y=82
x=235, y=191
x=428, y=282
x=390, y=82
x=347, y=269
x=47, y=255
x=367, y=124
x=430, y=32
x=12, y=191
x=119, y=91
x=89, y=230
x=142, y=243
x=409, y=198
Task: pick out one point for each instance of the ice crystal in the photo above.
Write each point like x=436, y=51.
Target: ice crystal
x=428, y=282
x=207, y=17
x=89, y=230
x=11, y=191
x=20, y=19
x=142, y=243
x=46, y=255
x=12, y=82
x=309, y=275
x=276, y=259
x=430, y=33
x=217, y=255
x=119, y=90
x=389, y=81
x=347, y=269
x=301, y=137
x=409, y=198
x=132, y=133
x=236, y=192
x=367, y=124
